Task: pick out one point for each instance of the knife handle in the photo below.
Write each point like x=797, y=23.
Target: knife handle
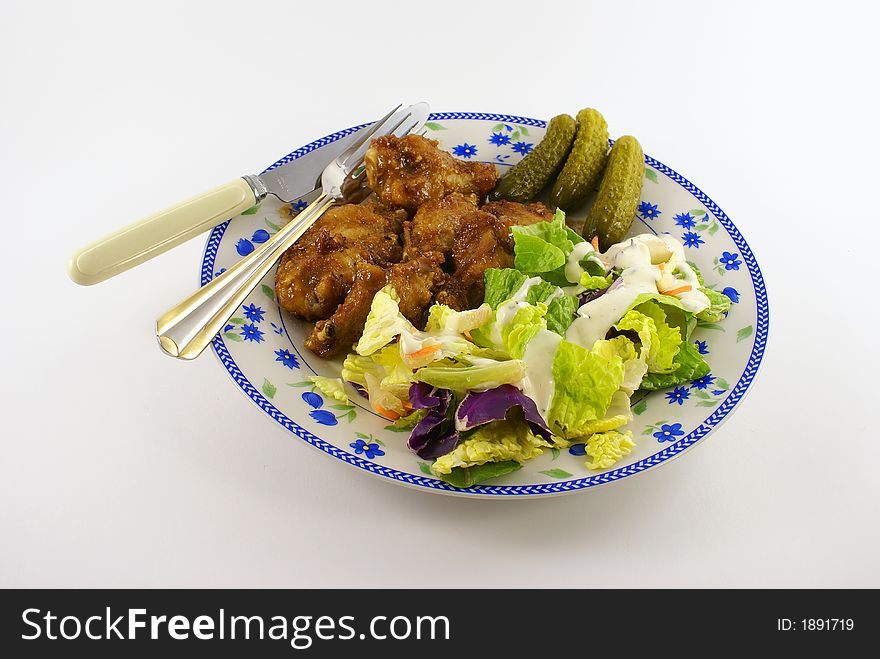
x=141, y=241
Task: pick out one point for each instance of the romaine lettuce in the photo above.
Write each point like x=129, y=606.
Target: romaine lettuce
x=719, y=305
x=608, y=448
x=688, y=365
x=445, y=319
x=479, y=374
x=498, y=441
x=384, y=322
x=331, y=387
x=560, y=313
x=585, y=382
x=468, y=476
x=659, y=341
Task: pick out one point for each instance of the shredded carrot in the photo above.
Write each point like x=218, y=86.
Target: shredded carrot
x=424, y=352
x=467, y=335
x=388, y=414
x=595, y=243
x=407, y=405
x=662, y=266
x=676, y=291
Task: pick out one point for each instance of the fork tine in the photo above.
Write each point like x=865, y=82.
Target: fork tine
x=365, y=135
x=360, y=149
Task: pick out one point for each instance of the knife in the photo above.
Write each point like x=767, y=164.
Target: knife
x=122, y=250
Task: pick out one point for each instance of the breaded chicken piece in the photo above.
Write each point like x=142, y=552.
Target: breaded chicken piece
x=318, y=271
x=405, y=172
x=415, y=283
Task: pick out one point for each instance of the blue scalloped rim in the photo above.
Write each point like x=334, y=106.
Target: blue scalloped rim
x=736, y=393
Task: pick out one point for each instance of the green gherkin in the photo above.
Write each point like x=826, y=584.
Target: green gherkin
x=528, y=177
x=585, y=161
x=615, y=207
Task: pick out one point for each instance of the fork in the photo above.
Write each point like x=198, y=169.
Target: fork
x=186, y=330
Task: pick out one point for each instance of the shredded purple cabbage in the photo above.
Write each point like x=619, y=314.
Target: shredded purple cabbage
x=482, y=407
x=435, y=434
x=358, y=388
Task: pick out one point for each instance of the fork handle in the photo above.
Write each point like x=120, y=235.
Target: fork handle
x=187, y=329
x=141, y=241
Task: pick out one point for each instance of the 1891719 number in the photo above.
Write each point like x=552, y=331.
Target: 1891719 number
x=827, y=624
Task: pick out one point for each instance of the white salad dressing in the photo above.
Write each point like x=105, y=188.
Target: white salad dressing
x=505, y=312
x=635, y=258
x=538, y=384
x=573, y=268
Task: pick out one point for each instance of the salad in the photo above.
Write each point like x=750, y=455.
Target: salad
x=554, y=354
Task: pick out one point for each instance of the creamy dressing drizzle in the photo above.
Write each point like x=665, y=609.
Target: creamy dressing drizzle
x=538, y=383
x=573, y=268
x=505, y=312
x=636, y=259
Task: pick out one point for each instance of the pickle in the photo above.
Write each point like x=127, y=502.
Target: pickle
x=530, y=175
x=615, y=207
x=585, y=162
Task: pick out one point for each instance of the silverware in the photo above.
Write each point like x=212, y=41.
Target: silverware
x=187, y=329
x=136, y=243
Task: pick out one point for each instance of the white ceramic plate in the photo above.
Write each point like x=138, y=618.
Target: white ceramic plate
x=262, y=347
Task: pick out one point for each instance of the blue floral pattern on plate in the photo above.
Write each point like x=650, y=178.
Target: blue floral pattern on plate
x=261, y=344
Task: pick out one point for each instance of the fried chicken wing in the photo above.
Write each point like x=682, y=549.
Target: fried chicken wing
x=511, y=213
x=415, y=283
x=478, y=245
x=406, y=172
x=341, y=330
x=483, y=240
x=317, y=273
x=436, y=223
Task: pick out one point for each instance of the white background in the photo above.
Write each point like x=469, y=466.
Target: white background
x=121, y=467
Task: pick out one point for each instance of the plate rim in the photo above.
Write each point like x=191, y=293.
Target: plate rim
x=724, y=409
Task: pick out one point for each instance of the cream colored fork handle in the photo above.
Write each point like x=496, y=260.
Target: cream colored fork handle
x=158, y=233
x=187, y=329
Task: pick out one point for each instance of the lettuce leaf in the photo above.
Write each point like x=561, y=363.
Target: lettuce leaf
x=331, y=387
x=719, y=305
x=525, y=324
x=608, y=448
x=585, y=381
x=445, y=319
x=542, y=249
x=409, y=421
x=384, y=322
x=595, y=282
x=467, y=476
x=688, y=365
x=533, y=254
x=479, y=375
x=498, y=441
x=659, y=341
x=501, y=284
x=560, y=313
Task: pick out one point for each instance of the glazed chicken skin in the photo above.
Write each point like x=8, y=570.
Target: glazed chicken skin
x=406, y=172
x=333, y=272
x=317, y=273
x=472, y=239
x=415, y=283
x=436, y=223
x=511, y=213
